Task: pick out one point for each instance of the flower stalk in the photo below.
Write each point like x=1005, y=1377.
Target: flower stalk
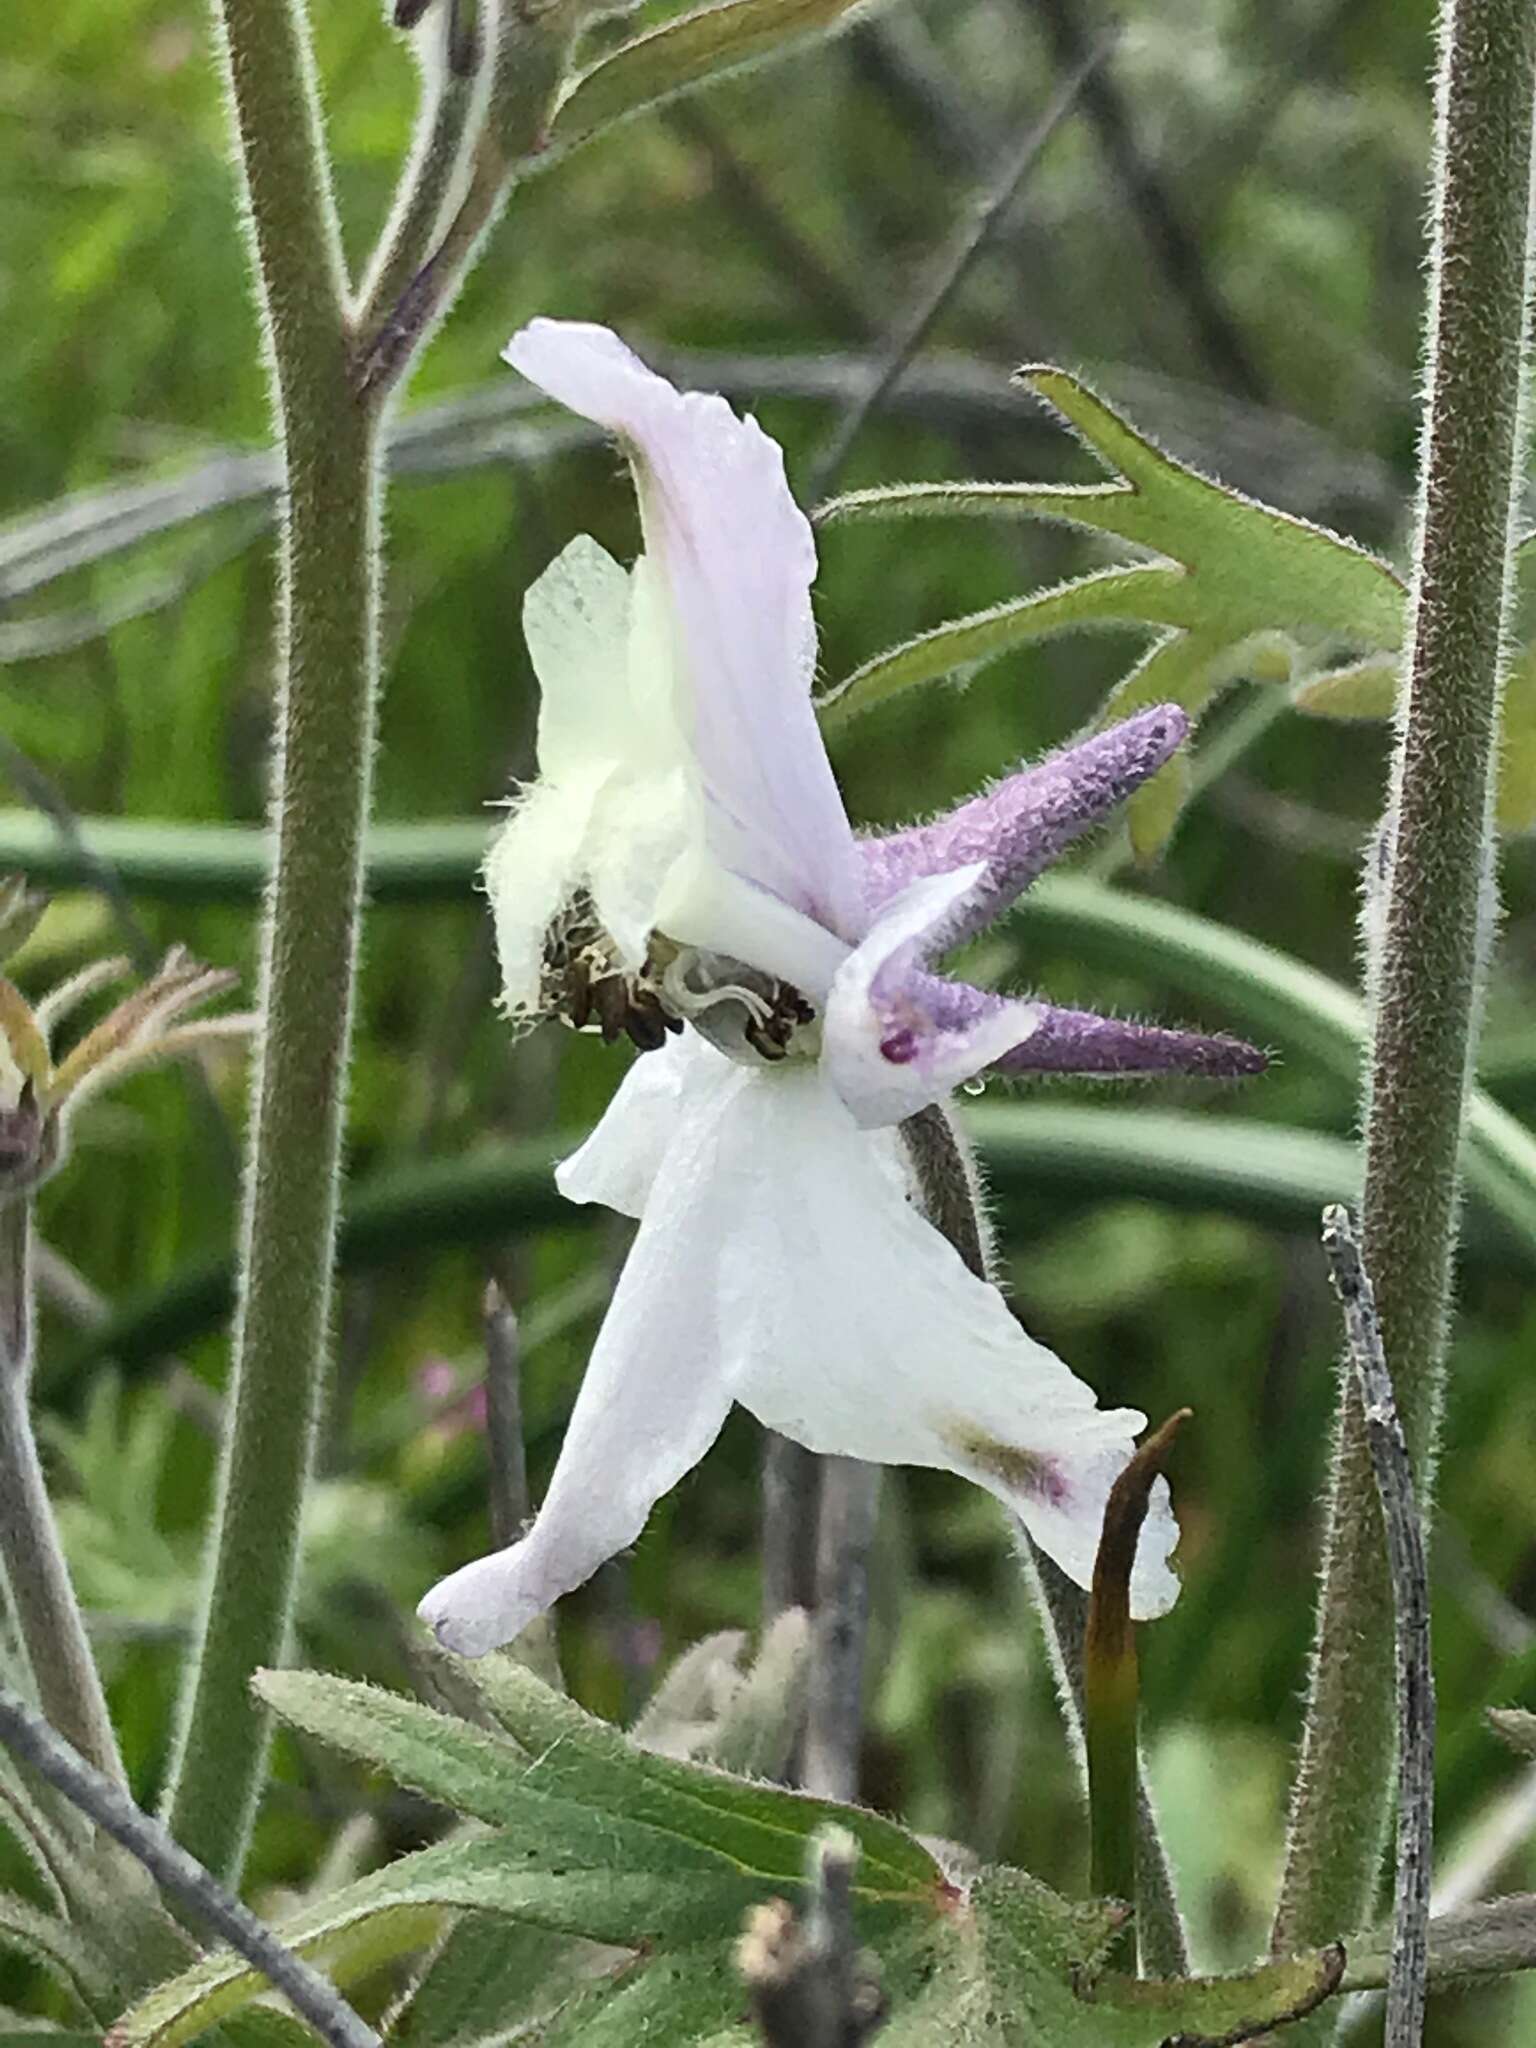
x=328, y=672
x=1434, y=925
x=48, y=1615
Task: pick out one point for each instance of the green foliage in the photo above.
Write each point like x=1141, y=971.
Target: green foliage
x=595, y=1838
x=137, y=581
x=1237, y=590
x=683, y=54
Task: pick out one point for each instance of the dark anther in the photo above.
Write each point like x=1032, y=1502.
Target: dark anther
x=612, y=999
x=645, y=1023
x=578, y=993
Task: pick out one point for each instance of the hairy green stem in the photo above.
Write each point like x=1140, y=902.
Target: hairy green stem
x=327, y=686
x=47, y=1613
x=1433, y=922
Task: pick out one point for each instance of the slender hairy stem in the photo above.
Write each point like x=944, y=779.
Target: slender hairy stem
x=529, y=64
x=834, y=1711
x=327, y=687
x=1434, y=922
x=504, y=1418
x=47, y=1613
x=108, y=1805
x=1408, y=1985
x=951, y=1198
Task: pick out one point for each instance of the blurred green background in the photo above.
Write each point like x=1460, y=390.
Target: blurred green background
x=1226, y=241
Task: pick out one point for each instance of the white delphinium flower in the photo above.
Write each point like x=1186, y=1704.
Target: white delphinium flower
x=683, y=871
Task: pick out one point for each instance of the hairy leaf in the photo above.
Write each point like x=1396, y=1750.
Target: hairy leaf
x=1238, y=589
x=690, y=51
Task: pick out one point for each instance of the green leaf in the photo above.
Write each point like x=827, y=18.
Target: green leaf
x=692, y=50
x=1018, y=1967
x=1272, y=1173
x=230, y=863
x=484, y=1972
x=963, y=646
x=1361, y=689
x=760, y=1830
x=1517, y=758
x=597, y=1840
x=684, y=1999
x=1238, y=590
x=606, y=1843
x=61, y=1949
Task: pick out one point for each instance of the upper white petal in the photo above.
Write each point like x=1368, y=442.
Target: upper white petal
x=576, y=621
x=737, y=559
x=535, y=862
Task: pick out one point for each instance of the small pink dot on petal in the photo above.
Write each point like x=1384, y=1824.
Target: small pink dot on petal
x=900, y=1048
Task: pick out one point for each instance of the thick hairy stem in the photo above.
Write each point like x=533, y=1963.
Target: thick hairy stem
x=47, y=1613
x=951, y=1197
x=325, y=718
x=1431, y=929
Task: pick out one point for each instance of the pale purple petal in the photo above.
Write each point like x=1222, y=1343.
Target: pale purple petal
x=1024, y=824
x=895, y=1038
x=1081, y=1042
x=738, y=560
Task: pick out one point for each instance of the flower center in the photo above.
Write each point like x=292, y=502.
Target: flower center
x=749, y=1015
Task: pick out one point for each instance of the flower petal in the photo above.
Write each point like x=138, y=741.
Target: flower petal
x=535, y=862
x=1028, y=821
x=651, y=1404
x=576, y=621
x=848, y=1323
x=896, y=1038
x=618, y=1164
x=738, y=560
x=1081, y=1042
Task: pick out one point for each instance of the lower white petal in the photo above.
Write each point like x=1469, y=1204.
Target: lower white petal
x=618, y=1164
x=650, y=1406
x=851, y=1325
